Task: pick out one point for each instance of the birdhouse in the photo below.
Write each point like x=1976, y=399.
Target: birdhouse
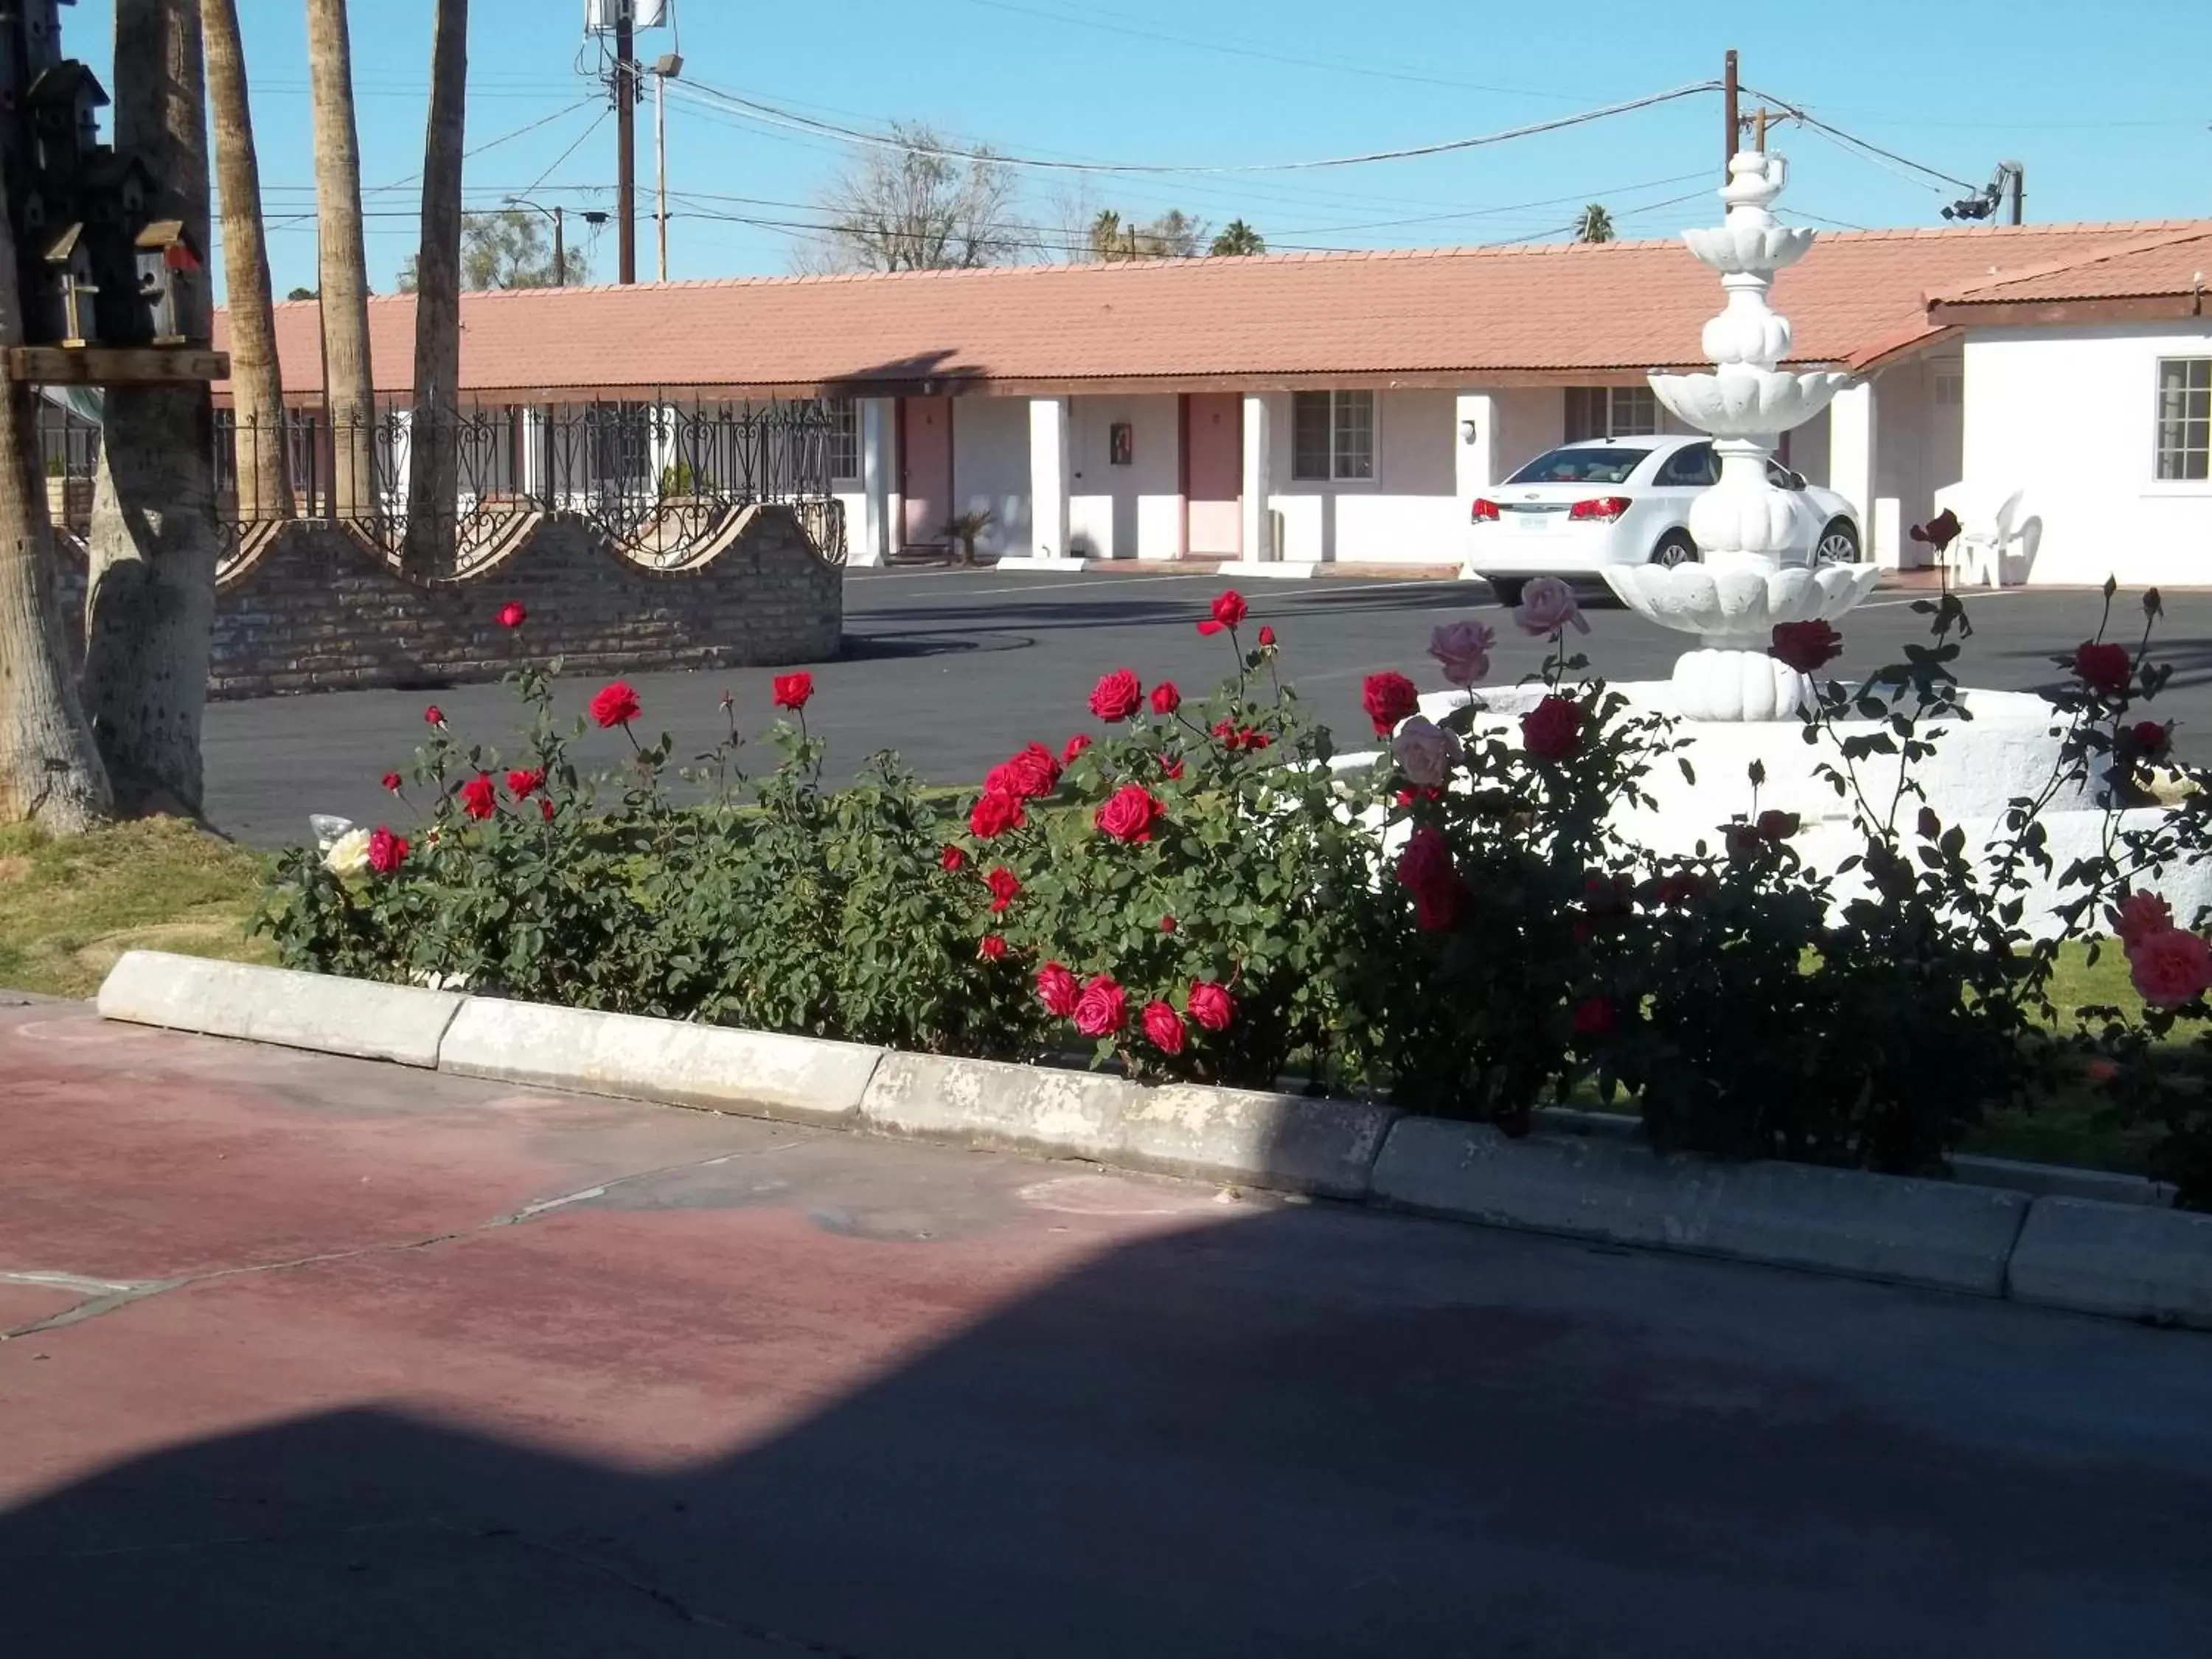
x=70, y=288
x=64, y=103
x=168, y=267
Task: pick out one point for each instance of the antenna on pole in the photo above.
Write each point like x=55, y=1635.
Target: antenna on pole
x=621, y=19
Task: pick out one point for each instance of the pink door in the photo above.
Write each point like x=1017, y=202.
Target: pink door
x=1214, y=453
x=926, y=468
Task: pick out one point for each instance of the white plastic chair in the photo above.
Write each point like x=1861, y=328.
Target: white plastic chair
x=1977, y=556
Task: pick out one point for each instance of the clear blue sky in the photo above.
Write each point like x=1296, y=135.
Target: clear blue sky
x=2107, y=103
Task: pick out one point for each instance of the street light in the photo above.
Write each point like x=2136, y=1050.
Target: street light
x=560, y=242
x=667, y=69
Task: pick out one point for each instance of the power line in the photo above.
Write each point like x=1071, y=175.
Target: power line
x=852, y=135
x=530, y=188
x=1799, y=113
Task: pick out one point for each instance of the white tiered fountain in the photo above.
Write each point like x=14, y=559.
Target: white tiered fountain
x=1755, y=539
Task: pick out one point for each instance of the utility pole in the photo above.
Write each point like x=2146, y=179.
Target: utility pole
x=1731, y=94
x=666, y=69
x=626, y=138
x=2019, y=193
x=560, y=252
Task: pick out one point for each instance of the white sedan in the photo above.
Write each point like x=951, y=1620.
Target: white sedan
x=1575, y=510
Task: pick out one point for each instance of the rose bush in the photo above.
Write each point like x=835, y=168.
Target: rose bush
x=1200, y=887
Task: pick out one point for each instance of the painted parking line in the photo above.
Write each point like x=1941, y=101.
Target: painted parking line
x=1979, y=595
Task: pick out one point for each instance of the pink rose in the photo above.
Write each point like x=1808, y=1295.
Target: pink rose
x=1211, y=1005
x=1548, y=606
x=1057, y=990
x=1425, y=752
x=1462, y=650
x=2171, y=968
x=2139, y=917
x=1103, y=1009
x=1164, y=1028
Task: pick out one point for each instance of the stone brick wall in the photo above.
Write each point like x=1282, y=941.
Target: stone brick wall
x=316, y=610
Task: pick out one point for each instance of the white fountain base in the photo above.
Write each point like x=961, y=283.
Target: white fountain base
x=2007, y=750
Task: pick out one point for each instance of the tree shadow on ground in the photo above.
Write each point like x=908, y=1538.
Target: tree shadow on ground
x=1309, y=1433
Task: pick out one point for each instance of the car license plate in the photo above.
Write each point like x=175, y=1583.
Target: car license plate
x=1533, y=521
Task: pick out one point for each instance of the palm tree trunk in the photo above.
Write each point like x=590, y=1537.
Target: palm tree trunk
x=351, y=389
x=264, y=483
x=150, y=614
x=50, y=769
x=434, y=440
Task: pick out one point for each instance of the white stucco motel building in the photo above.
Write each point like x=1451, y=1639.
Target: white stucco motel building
x=1297, y=411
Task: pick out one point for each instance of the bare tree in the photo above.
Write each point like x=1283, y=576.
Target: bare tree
x=264, y=485
x=352, y=389
x=150, y=614
x=1173, y=235
x=433, y=435
x=1595, y=224
x=922, y=207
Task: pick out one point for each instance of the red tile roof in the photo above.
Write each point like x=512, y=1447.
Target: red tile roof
x=1437, y=316
x=2174, y=263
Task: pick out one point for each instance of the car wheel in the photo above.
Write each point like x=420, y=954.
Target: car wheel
x=1674, y=548
x=1507, y=588
x=1839, y=544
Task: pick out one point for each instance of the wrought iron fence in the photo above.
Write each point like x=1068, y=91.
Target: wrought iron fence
x=665, y=480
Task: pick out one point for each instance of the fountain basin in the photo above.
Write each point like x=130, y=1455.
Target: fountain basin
x=1739, y=606
x=1744, y=401
x=1742, y=250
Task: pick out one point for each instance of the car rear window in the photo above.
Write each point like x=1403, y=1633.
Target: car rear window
x=1606, y=466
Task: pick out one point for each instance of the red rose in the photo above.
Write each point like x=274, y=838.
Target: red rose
x=480, y=797
x=995, y=812
x=1165, y=698
x=1103, y=1009
x=1228, y=611
x=1211, y=1005
x=1388, y=699
x=1130, y=814
x=1117, y=696
x=1744, y=842
x=1594, y=1018
x=1076, y=745
x=1266, y=637
x=434, y=716
x=1553, y=730
x=992, y=949
x=1057, y=990
x=1777, y=826
x=1426, y=870
x=616, y=705
x=386, y=852
x=791, y=691
x=1003, y=888
x=1164, y=1028
x=2149, y=737
x=523, y=785
x=545, y=808
x=392, y=781
x=1026, y=776
x=512, y=615
x=1167, y=924
x=1806, y=646
x=1172, y=769
x=1255, y=741
x=1940, y=531
x=951, y=860
x=2103, y=667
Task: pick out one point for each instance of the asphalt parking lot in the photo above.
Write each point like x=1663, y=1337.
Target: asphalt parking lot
x=955, y=669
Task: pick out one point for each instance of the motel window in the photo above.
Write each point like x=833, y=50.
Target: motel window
x=2185, y=418
x=1611, y=411
x=1332, y=436
x=844, y=439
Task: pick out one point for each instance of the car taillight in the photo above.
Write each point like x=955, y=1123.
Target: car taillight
x=1606, y=508
x=1485, y=512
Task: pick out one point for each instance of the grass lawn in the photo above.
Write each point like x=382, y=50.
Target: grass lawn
x=69, y=907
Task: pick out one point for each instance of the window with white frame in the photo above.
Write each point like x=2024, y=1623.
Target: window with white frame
x=844, y=440
x=1615, y=411
x=1332, y=437
x=2184, y=419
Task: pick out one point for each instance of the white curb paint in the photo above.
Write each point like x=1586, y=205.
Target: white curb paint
x=332, y=1016
x=673, y=1061
x=2127, y=1259
x=1936, y=1234
x=2122, y=1260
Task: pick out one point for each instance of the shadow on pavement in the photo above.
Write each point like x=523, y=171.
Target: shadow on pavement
x=1306, y=1433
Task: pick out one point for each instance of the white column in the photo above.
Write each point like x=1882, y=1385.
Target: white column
x=1474, y=445
x=1051, y=465
x=873, y=541
x=1850, y=463
x=1259, y=482
x=532, y=481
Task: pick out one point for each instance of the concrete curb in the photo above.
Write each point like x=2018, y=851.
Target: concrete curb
x=2129, y=1259
x=329, y=1015
x=1939, y=1235
x=2122, y=1260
